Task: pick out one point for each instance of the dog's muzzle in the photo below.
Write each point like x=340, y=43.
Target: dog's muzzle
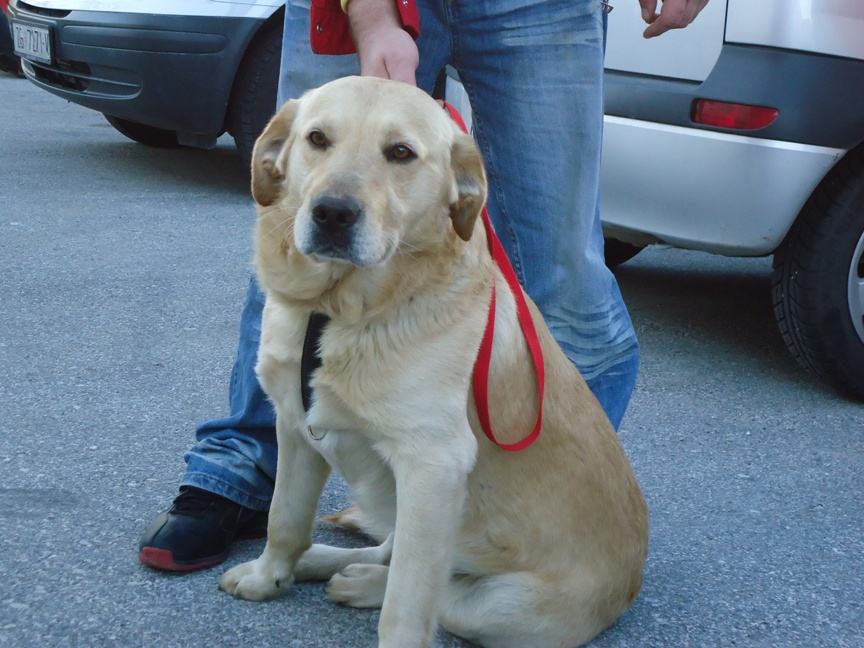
x=334, y=226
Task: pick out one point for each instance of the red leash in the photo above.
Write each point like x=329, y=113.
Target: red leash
x=484, y=356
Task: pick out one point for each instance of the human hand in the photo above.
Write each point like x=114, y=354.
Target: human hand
x=674, y=14
x=385, y=49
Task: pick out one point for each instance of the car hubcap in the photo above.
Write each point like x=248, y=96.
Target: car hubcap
x=856, y=288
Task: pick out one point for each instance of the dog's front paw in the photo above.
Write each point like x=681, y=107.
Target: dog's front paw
x=359, y=585
x=257, y=580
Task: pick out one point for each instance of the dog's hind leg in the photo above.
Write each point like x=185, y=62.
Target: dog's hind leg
x=322, y=562
x=370, y=480
x=515, y=610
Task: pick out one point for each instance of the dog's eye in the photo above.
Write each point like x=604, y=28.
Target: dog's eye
x=400, y=153
x=318, y=139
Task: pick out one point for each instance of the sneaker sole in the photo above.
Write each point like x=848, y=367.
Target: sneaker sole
x=163, y=559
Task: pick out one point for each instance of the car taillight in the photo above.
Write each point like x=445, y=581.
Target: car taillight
x=732, y=115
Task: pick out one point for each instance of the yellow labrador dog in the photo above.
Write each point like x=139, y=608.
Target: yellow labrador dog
x=368, y=197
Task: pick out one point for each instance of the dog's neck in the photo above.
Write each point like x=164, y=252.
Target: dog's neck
x=353, y=295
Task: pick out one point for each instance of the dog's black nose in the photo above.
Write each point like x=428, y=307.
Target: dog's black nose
x=335, y=214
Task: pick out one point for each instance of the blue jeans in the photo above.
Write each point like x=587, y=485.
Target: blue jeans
x=533, y=72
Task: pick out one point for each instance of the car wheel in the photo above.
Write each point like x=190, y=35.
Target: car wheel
x=143, y=134
x=253, y=99
x=617, y=252
x=11, y=64
x=818, y=282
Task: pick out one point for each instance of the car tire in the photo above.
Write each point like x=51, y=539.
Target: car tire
x=618, y=252
x=253, y=98
x=11, y=64
x=818, y=280
x=143, y=134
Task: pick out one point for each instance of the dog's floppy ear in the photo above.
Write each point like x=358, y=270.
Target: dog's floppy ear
x=268, y=161
x=470, y=185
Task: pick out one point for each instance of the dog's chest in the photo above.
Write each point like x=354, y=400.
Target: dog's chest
x=323, y=410
x=361, y=375
x=376, y=379
x=330, y=413
x=314, y=376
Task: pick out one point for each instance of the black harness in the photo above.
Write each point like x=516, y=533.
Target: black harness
x=311, y=358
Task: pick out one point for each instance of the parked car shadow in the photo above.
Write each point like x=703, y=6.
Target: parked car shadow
x=708, y=304
x=105, y=156
x=194, y=169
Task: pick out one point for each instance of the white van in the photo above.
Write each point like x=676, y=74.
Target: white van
x=742, y=135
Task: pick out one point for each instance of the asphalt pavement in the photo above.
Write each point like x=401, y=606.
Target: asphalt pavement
x=122, y=272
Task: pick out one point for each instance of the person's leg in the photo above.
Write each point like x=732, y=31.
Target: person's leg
x=235, y=456
x=232, y=467
x=534, y=75
x=434, y=43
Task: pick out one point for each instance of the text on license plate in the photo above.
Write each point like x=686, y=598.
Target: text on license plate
x=32, y=41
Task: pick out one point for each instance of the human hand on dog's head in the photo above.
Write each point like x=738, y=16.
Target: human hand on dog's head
x=385, y=49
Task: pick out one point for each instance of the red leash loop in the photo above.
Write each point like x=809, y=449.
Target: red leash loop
x=480, y=379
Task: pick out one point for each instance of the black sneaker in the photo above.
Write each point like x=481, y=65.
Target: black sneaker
x=197, y=531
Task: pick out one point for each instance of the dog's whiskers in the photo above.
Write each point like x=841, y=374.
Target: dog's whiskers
x=407, y=248
x=282, y=223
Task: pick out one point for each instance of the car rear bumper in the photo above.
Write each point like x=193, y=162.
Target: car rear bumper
x=699, y=189
x=704, y=190
x=818, y=97
x=171, y=72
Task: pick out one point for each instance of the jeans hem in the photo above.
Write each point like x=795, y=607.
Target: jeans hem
x=208, y=482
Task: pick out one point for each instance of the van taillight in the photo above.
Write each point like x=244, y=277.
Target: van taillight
x=732, y=115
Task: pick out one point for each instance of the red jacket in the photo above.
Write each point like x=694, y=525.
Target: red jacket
x=330, y=32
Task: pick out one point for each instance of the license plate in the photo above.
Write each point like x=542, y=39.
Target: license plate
x=32, y=42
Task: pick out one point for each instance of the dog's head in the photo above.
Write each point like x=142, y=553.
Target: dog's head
x=360, y=169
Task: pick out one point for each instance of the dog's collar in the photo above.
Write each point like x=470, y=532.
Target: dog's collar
x=311, y=359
